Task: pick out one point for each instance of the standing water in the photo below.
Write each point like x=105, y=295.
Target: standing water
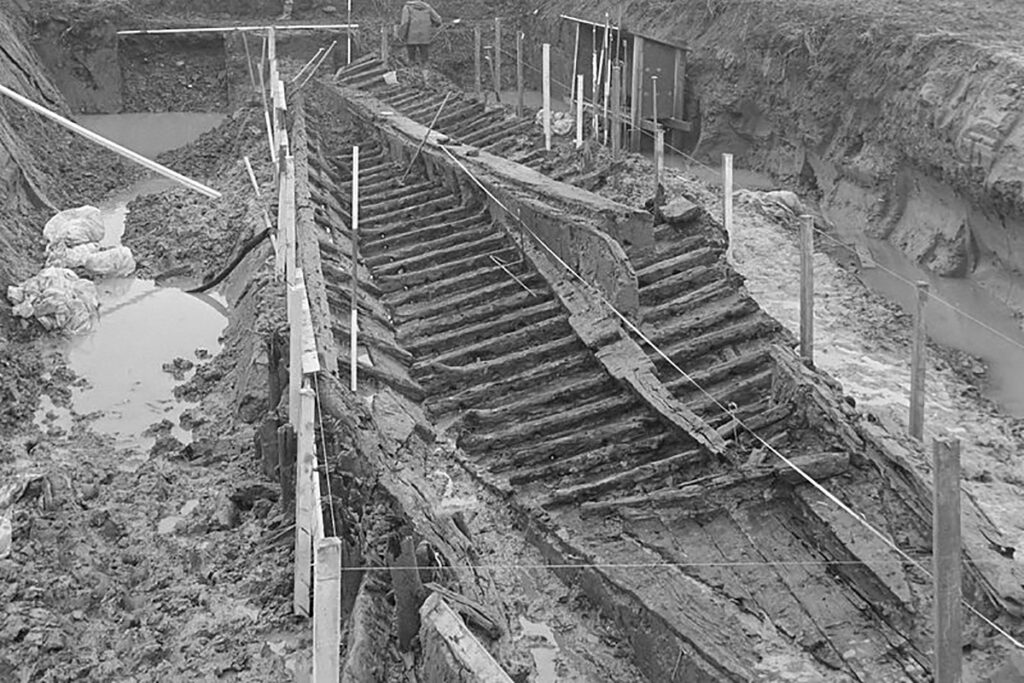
x=142, y=326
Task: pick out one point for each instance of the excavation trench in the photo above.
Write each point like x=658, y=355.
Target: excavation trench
x=142, y=326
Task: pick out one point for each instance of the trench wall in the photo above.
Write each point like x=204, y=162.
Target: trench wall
x=911, y=135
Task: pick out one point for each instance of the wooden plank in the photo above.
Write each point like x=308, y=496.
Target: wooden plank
x=327, y=612
x=296, y=293
x=946, y=560
x=451, y=651
x=304, y=481
x=235, y=29
x=806, y=288
x=310, y=357
x=286, y=218
x=678, y=87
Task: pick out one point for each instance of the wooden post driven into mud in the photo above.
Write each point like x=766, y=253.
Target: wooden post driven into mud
x=354, y=322
x=727, y=205
x=616, y=110
x=327, y=611
x=385, y=50
x=946, y=560
x=305, y=478
x=636, y=94
x=546, y=74
x=497, y=56
x=579, y=111
x=520, y=86
x=659, y=157
x=917, y=364
x=348, y=36
x=654, y=100
x=807, y=289
x=595, y=129
x=478, y=81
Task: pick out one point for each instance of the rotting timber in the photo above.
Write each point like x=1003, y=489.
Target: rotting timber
x=716, y=561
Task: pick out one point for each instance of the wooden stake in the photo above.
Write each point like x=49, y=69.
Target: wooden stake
x=727, y=204
x=636, y=94
x=520, y=86
x=616, y=122
x=946, y=560
x=918, y=360
x=497, y=55
x=271, y=44
x=654, y=100
x=659, y=157
x=385, y=50
x=547, y=94
x=354, y=322
x=348, y=36
x=579, y=112
x=477, y=60
x=248, y=62
x=573, y=95
x=327, y=611
x=252, y=177
x=595, y=129
x=305, y=479
x=606, y=64
x=807, y=289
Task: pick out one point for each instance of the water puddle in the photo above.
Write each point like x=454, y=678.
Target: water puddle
x=142, y=326
x=545, y=653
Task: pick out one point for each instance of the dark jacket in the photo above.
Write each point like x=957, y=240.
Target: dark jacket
x=419, y=23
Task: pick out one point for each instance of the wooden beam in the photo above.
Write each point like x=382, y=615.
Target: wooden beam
x=806, y=288
x=235, y=29
x=110, y=144
x=327, y=612
x=305, y=479
x=946, y=560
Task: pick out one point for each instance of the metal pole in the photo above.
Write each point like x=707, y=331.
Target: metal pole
x=348, y=35
x=659, y=157
x=946, y=560
x=807, y=289
x=917, y=364
x=727, y=204
x=354, y=322
x=595, y=129
x=547, y=95
x=654, y=99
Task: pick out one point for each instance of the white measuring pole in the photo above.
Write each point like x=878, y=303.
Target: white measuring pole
x=546, y=55
x=354, y=322
x=579, y=111
x=727, y=204
x=111, y=145
x=348, y=35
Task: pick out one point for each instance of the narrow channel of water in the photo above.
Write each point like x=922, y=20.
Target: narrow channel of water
x=142, y=326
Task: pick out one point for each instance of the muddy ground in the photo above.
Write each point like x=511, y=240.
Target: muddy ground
x=175, y=564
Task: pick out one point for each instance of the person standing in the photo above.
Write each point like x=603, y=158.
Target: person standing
x=418, y=27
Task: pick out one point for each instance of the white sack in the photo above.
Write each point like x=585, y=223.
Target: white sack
x=75, y=226
x=58, y=299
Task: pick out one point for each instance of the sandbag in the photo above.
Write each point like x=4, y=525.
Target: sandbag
x=60, y=255
x=562, y=123
x=75, y=226
x=58, y=299
x=112, y=262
